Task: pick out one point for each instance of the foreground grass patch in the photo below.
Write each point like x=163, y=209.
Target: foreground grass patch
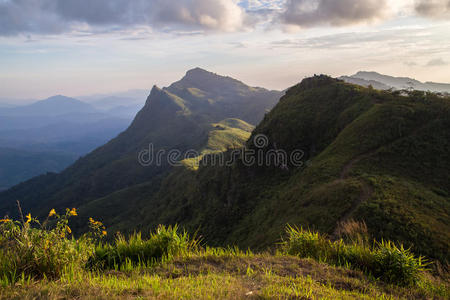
x=165, y=242
x=171, y=264
x=383, y=260
x=222, y=276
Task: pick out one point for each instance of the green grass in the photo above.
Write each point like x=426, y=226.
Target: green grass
x=171, y=264
x=164, y=243
x=225, y=135
x=383, y=260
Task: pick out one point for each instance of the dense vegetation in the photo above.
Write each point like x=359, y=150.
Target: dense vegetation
x=43, y=260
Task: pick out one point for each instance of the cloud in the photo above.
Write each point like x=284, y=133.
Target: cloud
x=433, y=8
x=56, y=16
x=309, y=13
x=43, y=17
x=437, y=62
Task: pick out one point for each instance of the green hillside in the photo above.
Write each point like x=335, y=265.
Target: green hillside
x=369, y=155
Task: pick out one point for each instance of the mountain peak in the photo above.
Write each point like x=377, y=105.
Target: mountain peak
x=198, y=70
x=60, y=98
x=210, y=83
x=199, y=74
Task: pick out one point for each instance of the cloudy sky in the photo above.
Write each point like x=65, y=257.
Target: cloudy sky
x=80, y=47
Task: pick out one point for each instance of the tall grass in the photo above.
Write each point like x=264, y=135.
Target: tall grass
x=33, y=250
x=165, y=242
x=383, y=260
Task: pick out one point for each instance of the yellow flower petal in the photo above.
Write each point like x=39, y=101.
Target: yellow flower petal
x=28, y=218
x=52, y=212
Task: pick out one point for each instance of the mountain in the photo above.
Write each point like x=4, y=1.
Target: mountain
x=178, y=117
x=122, y=104
x=53, y=106
x=369, y=155
x=380, y=81
x=49, y=135
x=366, y=83
x=350, y=153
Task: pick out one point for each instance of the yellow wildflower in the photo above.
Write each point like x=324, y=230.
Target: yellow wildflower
x=5, y=220
x=104, y=232
x=28, y=218
x=52, y=212
x=73, y=212
x=68, y=229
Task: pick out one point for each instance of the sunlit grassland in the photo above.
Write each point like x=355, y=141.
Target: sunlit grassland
x=169, y=263
x=222, y=276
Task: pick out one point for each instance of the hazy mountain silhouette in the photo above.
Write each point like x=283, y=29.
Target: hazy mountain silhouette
x=53, y=106
x=380, y=81
x=60, y=127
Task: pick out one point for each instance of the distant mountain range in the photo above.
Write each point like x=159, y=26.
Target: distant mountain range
x=59, y=127
x=384, y=82
x=366, y=154
x=53, y=106
x=121, y=104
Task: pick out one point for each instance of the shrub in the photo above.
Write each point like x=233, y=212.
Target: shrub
x=399, y=265
x=384, y=260
x=166, y=242
x=307, y=244
x=29, y=249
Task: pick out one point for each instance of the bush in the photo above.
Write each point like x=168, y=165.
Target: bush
x=384, y=260
x=166, y=242
x=29, y=249
x=393, y=264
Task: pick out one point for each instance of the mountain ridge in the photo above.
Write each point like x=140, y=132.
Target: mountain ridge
x=376, y=156
x=381, y=81
x=168, y=120
x=361, y=160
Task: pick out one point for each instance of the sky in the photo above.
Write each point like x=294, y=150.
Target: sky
x=82, y=47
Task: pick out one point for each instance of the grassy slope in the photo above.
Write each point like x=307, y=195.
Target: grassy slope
x=373, y=155
x=227, y=134
x=388, y=165
x=222, y=276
